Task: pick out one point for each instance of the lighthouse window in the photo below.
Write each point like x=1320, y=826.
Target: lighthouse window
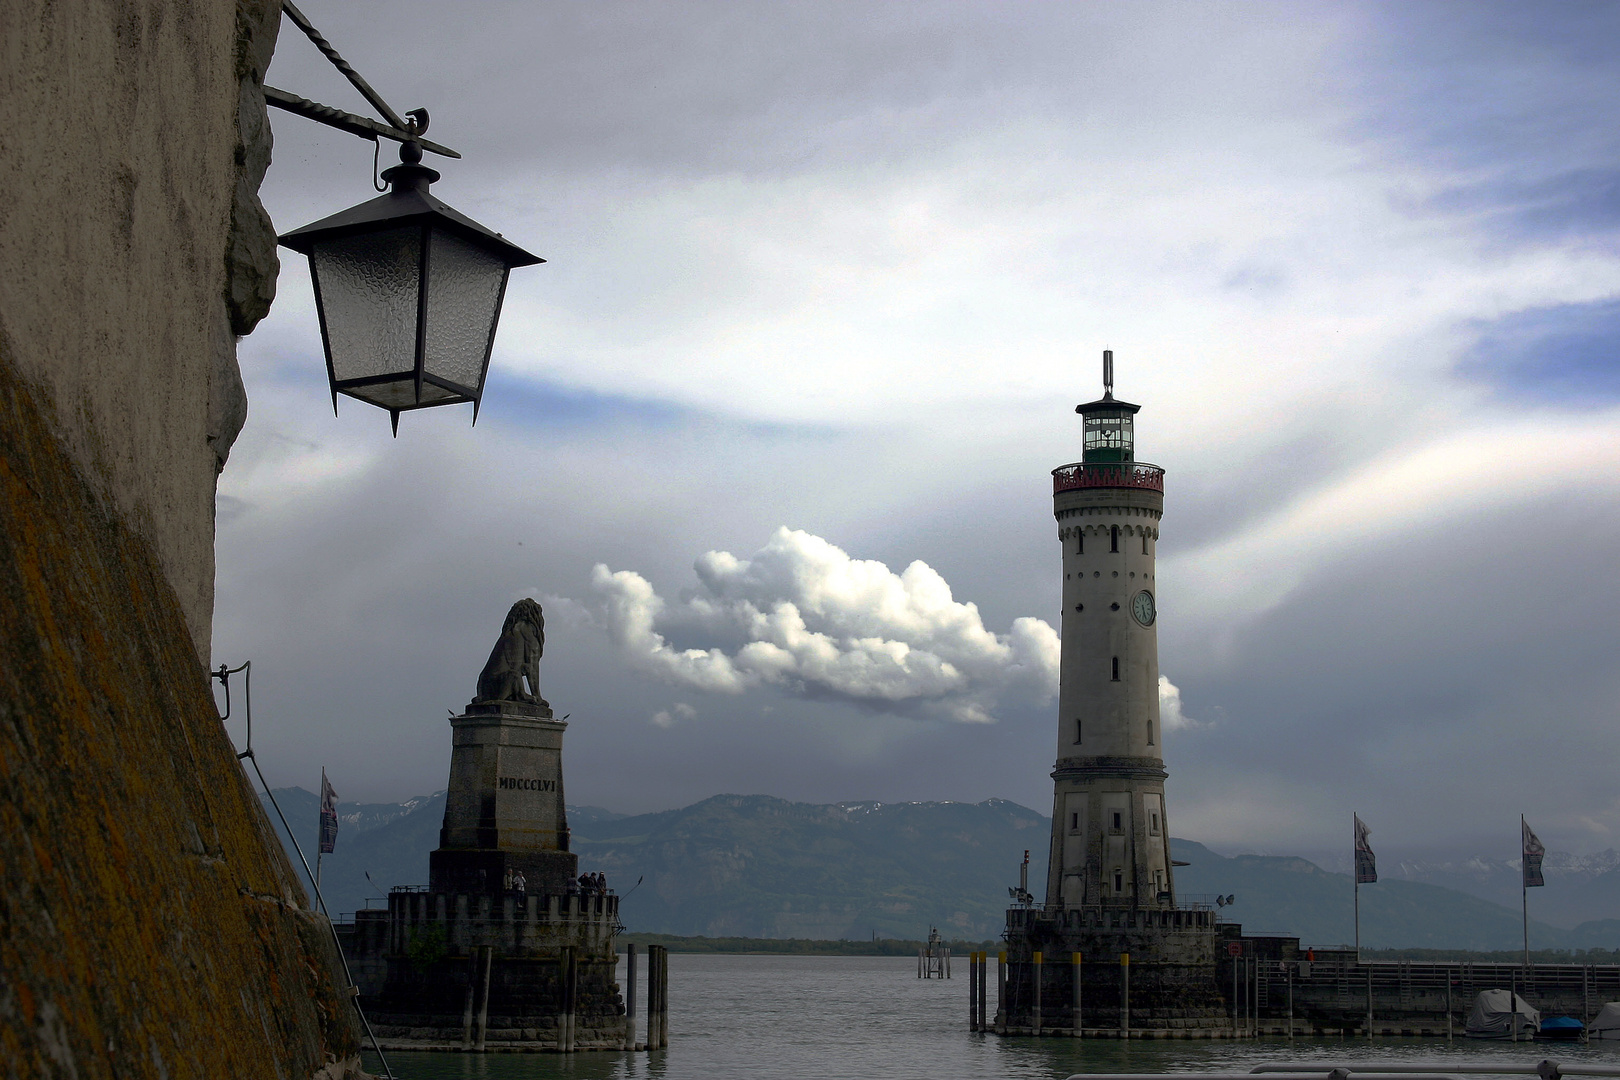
x=1113, y=538
x=1079, y=542
x=1119, y=881
x=1117, y=827
x=1150, y=732
x=1079, y=728
x=1111, y=432
x=1116, y=669
x=1153, y=823
x=1074, y=821
x=1144, y=544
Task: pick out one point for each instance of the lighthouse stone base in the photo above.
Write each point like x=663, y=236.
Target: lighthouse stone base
x=1168, y=984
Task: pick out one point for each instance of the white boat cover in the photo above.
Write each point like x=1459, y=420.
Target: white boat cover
x=1494, y=1017
x=1606, y=1024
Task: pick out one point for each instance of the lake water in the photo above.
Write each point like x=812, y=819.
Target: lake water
x=862, y=1018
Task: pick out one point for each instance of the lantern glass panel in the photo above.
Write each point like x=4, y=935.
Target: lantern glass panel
x=464, y=294
x=368, y=292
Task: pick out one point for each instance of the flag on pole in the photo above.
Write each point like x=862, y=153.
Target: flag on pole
x=1366, y=862
x=329, y=824
x=1533, y=851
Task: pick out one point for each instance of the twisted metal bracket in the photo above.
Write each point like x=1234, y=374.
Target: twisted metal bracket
x=396, y=128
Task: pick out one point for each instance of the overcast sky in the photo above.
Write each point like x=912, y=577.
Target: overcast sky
x=769, y=434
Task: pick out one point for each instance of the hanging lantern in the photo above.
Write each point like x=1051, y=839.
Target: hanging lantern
x=409, y=293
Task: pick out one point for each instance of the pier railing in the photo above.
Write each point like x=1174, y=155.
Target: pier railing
x=1545, y=1069
x=1113, y=474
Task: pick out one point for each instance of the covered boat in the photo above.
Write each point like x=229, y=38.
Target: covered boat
x=1561, y=1029
x=1606, y=1024
x=1500, y=1014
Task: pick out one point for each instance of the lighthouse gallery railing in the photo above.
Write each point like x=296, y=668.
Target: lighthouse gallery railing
x=1121, y=474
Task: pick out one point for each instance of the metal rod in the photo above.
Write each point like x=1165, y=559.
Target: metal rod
x=363, y=126
x=341, y=64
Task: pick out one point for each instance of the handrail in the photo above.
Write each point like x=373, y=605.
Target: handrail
x=1107, y=474
x=1336, y=1073
x=1546, y=1069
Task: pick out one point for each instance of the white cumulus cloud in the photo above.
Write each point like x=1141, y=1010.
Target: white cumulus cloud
x=1171, y=718
x=802, y=616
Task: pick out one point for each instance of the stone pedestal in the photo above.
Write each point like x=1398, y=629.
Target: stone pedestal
x=1171, y=988
x=504, y=811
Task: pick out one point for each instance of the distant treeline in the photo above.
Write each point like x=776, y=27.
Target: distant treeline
x=799, y=946
x=1512, y=956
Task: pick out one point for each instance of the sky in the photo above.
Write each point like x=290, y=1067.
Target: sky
x=769, y=434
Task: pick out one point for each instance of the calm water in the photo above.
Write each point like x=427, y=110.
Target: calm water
x=870, y=1017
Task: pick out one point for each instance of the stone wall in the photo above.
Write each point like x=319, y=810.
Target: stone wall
x=150, y=925
x=133, y=249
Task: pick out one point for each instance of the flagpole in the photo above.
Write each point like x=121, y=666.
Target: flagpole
x=318, y=837
x=1524, y=890
x=1355, y=874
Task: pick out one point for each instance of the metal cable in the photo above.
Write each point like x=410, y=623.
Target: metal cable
x=223, y=675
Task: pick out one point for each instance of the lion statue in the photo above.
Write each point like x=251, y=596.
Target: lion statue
x=516, y=657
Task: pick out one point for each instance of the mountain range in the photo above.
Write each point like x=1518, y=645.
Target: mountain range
x=758, y=866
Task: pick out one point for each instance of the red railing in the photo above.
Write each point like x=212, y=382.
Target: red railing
x=1126, y=474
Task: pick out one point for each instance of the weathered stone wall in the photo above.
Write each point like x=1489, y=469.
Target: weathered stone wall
x=150, y=925
x=133, y=248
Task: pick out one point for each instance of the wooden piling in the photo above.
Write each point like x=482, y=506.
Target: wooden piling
x=984, y=985
x=1075, y=961
x=1001, y=993
x=630, y=996
x=663, y=999
x=1039, y=970
x=652, y=997
x=657, y=997
x=1124, y=995
x=972, y=991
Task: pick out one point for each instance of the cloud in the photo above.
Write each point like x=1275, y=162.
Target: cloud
x=1171, y=718
x=667, y=717
x=801, y=616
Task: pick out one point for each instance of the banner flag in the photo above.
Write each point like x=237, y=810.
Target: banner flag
x=329, y=823
x=1533, y=851
x=1366, y=862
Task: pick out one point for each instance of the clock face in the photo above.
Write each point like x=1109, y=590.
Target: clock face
x=1142, y=608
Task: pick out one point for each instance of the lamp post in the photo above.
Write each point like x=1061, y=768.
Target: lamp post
x=409, y=293
x=407, y=288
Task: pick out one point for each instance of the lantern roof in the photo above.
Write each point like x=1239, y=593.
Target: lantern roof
x=406, y=203
x=1107, y=403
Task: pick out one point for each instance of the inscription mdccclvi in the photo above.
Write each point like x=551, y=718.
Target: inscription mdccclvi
x=521, y=783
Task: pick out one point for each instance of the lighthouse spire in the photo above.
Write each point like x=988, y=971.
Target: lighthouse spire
x=1108, y=374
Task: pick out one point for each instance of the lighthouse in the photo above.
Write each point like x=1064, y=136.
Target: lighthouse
x=1110, y=835
x=1109, y=949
